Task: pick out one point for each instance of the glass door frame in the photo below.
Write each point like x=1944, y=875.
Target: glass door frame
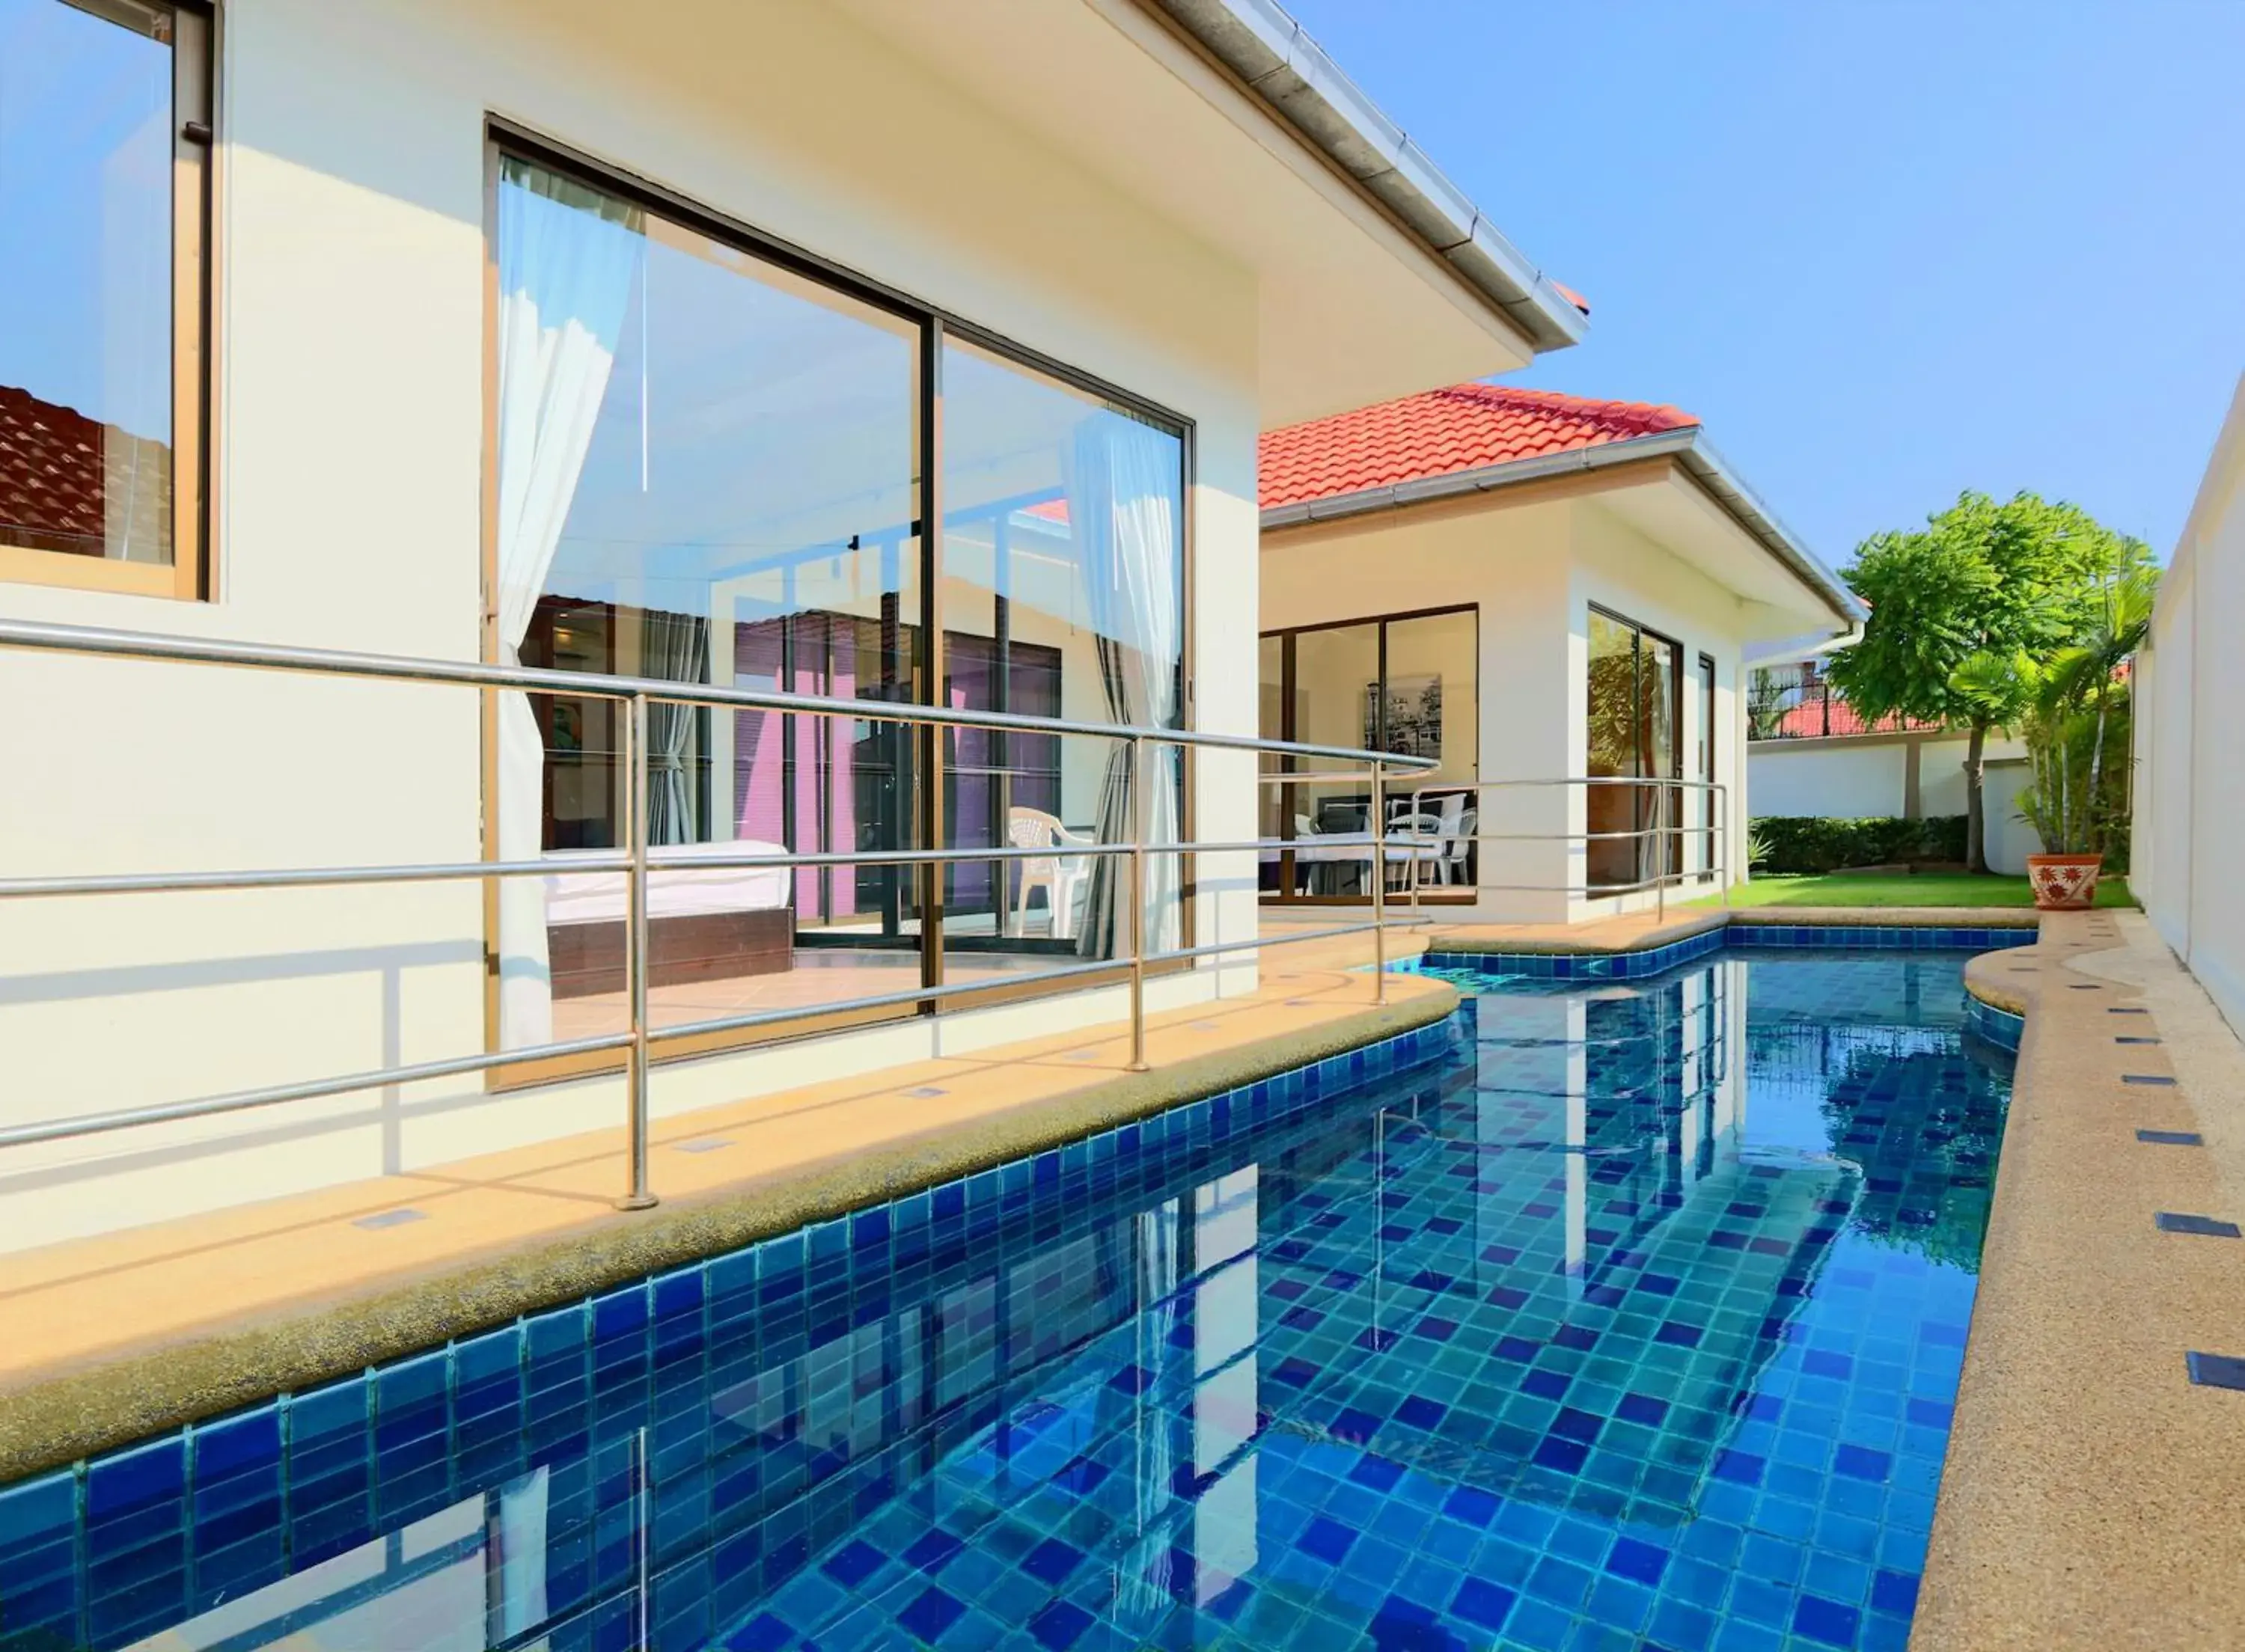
x=1668, y=854
x=1707, y=759
x=1284, y=637
x=927, y=743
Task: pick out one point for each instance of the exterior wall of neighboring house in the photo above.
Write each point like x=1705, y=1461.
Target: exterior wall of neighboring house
x=2190, y=766
x=349, y=341
x=1533, y=570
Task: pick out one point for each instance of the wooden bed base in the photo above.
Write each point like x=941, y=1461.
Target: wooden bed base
x=586, y=959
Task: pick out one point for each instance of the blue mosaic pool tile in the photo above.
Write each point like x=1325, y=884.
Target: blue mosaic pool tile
x=2206, y=1226
x=2000, y=1027
x=39, y=1525
x=796, y=1493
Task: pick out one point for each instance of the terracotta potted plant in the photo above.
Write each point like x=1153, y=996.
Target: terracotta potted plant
x=2077, y=738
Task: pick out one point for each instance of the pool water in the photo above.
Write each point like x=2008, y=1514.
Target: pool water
x=1634, y=1321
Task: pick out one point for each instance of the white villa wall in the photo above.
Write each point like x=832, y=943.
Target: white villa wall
x=2190, y=762
x=1849, y=781
x=1533, y=570
x=1512, y=565
x=349, y=350
x=1617, y=568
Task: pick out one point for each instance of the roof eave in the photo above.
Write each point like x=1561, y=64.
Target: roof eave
x=1745, y=508
x=1688, y=446
x=1277, y=61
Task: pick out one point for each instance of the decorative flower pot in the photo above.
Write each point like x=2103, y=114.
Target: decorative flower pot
x=2064, y=882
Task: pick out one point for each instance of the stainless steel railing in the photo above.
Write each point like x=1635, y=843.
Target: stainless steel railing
x=638, y=858
x=1411, y=846
x=1668, y=796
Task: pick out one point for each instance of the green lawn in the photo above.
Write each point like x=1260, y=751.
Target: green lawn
x=1900, y=888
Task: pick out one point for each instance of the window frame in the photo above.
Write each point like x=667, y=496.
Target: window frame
x=1672, y=847
x=503, y=139
x=1284, y=636
x=194, y=110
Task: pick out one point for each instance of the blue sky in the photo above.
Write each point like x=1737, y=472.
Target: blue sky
x=1887, y=249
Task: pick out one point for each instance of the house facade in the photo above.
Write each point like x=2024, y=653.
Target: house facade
x=645, y=345
x=1554, y=596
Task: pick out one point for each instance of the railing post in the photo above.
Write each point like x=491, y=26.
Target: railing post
x=1380, y=881
x=1660, y=851
x=1418, y=811
x=1141, y=800
x=636, y=1196
x=1722, y=806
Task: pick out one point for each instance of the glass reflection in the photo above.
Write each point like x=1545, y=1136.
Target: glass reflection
x=708, y=473
x=86, y=285
x=1063, y=594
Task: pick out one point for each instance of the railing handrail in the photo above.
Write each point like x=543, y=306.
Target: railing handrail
x=638, y=858
x=156, y=647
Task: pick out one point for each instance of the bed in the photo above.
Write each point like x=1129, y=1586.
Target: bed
x=703, y=923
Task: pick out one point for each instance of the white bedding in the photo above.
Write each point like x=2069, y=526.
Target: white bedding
x=598, y=897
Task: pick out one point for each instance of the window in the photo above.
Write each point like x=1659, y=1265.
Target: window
x=1710, y=838
x=714, y=465
x=1634, y=701
x=105, y=135
x=1408, y=683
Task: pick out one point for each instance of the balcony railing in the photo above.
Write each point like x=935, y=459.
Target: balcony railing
x=637, y=858
x=1795, y=702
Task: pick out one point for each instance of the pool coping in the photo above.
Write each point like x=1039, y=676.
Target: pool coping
x=74, y=1415
x=1490, y=938
x=2079, y=1500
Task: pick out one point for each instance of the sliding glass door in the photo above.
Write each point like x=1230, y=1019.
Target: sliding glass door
x=714, y=465
x=1635, y=694
x=1408, y=684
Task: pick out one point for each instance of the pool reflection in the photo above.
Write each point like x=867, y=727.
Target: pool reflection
x=1576, y=1327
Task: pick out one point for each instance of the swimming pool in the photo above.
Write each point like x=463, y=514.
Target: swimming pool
x=1625, y=1313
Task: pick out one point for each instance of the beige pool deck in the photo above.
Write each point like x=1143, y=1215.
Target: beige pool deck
x=2090, y=1497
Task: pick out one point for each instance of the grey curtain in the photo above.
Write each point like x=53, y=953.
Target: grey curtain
x=1125, y=502
x=674, y=646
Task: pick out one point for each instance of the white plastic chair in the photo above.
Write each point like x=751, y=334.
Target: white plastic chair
x=1458, y=845
x=1063, y=877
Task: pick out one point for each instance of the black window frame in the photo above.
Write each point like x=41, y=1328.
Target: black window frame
x=1464, y=894
x=1669, y=856
x=929, y=744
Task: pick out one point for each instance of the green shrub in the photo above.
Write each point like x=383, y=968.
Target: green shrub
x=1811, y=844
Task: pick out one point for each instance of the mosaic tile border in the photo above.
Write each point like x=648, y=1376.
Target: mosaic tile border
x=62, y=1531
x=1593, y=966
x=2000, y=1027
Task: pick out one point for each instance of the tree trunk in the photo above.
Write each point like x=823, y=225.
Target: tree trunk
x=1975, y=817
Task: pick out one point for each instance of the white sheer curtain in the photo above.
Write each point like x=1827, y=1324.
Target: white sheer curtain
x=1125, y=502
x=566, y=257
x=676, y=648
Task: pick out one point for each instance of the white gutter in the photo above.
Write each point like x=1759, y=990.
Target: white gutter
x=1687, y=445
x=1281, y=66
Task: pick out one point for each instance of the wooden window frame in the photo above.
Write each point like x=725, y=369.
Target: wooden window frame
x=194, y=47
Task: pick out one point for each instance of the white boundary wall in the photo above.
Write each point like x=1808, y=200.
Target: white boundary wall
x=2190, y=753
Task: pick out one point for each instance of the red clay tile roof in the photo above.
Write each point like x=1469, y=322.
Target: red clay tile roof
x=1439, y=433
x=58, y=469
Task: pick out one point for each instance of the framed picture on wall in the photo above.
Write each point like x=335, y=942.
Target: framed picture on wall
x=1414, y=707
